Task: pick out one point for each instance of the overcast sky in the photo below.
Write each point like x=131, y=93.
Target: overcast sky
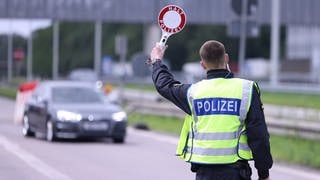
x=22, y=26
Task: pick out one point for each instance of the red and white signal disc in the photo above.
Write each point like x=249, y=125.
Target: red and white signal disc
x=171, y=20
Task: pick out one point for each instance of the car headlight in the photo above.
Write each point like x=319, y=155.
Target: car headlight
x=68, y=116
x=119, y=116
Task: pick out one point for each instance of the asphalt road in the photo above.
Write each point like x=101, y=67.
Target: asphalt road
x=145, y=155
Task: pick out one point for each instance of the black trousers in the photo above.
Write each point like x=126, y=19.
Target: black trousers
x=223, y=173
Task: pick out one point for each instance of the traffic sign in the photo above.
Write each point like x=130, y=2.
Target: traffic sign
x=18, y=54
x=171, y=20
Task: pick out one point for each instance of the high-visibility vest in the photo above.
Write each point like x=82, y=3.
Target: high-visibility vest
x=215, y=133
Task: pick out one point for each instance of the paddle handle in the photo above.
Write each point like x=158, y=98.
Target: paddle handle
x=163, y=40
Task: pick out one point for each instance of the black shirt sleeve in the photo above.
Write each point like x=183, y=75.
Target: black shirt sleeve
x=258, y=136
x=170, y=88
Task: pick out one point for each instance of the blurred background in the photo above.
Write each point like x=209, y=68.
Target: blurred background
x=274, y=42
x=49, y=39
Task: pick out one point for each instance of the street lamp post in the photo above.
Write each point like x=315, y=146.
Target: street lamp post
x=9, y=64
x=55, y=50
x=97, y=47
x=275, y=41
x=29, y=57
x=243, y=36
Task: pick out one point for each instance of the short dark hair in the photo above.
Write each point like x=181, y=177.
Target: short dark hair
x=213, y=52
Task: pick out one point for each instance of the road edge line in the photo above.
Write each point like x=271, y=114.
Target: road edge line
x=32, y=161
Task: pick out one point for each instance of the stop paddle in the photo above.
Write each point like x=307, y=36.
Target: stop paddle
x=171, y=20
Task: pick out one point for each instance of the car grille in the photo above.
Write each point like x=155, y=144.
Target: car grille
x=95, y=125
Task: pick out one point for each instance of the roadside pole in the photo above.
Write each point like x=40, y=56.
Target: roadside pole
x=243, y=37
x=9, y=63
x=97, y=47
x=55, y=50
x=121, y=50
x=275, y=41
x=29, y=55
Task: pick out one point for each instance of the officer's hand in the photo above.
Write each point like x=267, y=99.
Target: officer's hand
x=157, y=52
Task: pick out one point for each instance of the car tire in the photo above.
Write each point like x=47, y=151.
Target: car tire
x=119, y=140
x=26, y=127
x=50, y=134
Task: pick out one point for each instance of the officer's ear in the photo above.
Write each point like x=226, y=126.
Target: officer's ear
x=203, y=64
x=226, y=61
x=226, y=58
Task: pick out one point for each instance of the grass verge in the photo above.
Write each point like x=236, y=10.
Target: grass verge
x=292, y=99
x=296, y=150
x=284, y=148
x=169, y=125
x=8, y=92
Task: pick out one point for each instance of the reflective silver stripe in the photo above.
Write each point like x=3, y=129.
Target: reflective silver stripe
x=216, y=136
x=212, y=151
x=217, y=151
x=195, y=117
x=193, y=110
x=245, y=99
x=244, y=147
x=243, y=112
x=190, y=99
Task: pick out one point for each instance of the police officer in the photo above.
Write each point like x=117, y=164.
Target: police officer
x=225, y=125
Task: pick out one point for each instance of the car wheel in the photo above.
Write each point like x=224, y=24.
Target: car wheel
x=118, y=139
x=50, y=136
x=26, y=127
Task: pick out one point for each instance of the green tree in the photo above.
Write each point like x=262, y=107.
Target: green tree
x=189, y=41
x=77, y=40
x=77, y=45
x=42, y=52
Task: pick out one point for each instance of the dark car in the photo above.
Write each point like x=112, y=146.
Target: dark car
x=66, y=109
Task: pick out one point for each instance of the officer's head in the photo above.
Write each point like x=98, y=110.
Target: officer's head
x=213, y=55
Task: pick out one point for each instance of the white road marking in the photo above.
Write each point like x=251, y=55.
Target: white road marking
x=296, y=173
x=32, y=161
x=279, y=168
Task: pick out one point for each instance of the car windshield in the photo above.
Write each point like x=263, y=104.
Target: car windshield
x=83, y=75
x=72, y=95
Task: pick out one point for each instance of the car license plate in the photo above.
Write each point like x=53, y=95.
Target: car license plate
x=95, y=126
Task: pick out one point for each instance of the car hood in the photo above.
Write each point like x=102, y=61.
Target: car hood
x=99, y=111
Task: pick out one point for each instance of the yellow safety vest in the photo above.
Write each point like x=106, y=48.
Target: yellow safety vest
x=215, y=133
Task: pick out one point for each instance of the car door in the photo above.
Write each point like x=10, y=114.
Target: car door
x=31, y=111
x=37, y=110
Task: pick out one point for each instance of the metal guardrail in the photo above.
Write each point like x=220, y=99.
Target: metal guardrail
x=283, y=120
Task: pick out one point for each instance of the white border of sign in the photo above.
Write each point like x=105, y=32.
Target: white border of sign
x=171, y=20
